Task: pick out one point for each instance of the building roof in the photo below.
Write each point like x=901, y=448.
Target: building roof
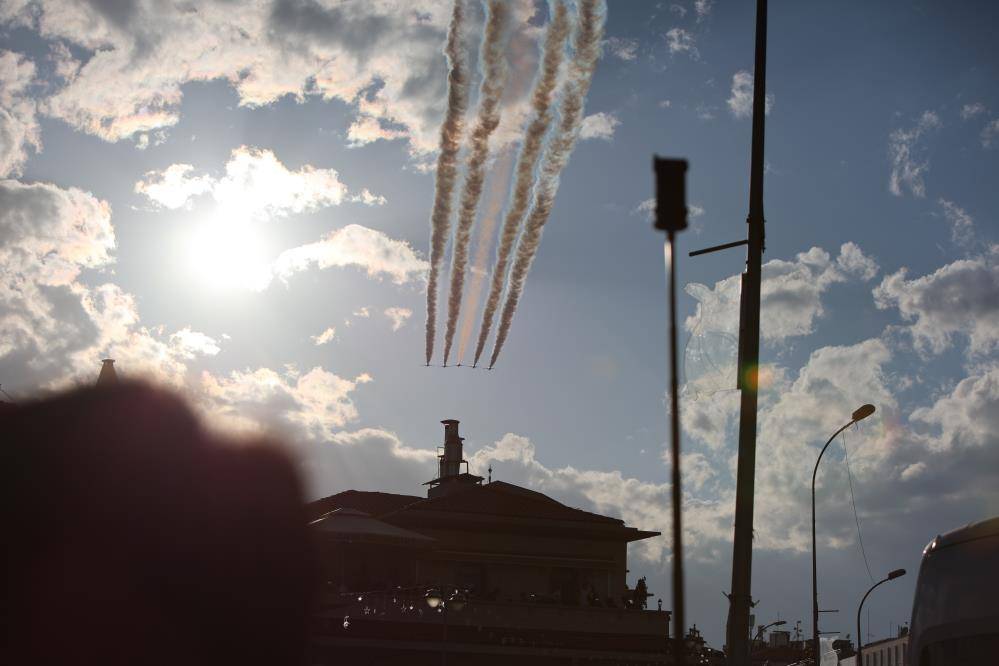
x=353, y=525
x=502, y=505
x=370, y=502
x=505, y=505
x=505, y=499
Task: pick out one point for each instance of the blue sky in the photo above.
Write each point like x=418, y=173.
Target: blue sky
x=237, y=203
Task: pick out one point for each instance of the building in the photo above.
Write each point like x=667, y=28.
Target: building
x=886, y=652
x=475, y=572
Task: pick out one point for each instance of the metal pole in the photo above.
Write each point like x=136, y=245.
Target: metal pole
x=679, y=657
x=860, y=643
x=740, y=600
x=815, y=584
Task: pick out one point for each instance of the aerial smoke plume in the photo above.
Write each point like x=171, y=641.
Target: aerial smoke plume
x=447, y=162
x=530, y=150
x=493, y=201
x=494, y=75
x=586, y=51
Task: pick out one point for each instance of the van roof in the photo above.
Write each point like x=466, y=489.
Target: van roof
x=969, y=532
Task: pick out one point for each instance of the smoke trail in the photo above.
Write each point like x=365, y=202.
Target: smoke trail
x=530, y=151
x=447, y=160
x=586, y=47
x=494, y=74
x=494, y=206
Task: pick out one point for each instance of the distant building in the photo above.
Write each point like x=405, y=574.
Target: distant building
x=886, y=652
x=512, y=575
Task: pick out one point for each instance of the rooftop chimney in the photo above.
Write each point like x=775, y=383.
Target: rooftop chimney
x=449, y=474
x=450, y=462
x=108, y=376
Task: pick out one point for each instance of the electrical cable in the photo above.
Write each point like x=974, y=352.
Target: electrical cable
x=853, y=502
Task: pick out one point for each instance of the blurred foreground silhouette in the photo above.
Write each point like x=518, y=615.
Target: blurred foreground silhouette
x=135, y=537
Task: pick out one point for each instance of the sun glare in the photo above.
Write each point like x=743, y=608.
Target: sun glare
x=228, y=256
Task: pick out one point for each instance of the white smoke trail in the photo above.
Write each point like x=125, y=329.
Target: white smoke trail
x=530, y=151
x=493, y=200
x=494, y=75
x=447, y=163
x=586, y=51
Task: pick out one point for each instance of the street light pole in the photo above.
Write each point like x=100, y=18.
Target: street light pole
x=861, y=413
x=891, y=576
x=740, y=599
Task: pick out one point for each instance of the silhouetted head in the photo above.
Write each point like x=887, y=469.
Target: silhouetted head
x=134, y=537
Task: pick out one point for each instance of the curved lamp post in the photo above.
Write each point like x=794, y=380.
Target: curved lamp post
x=860, y=414
x=439, y=600
x=762, y=629
x=891, y=576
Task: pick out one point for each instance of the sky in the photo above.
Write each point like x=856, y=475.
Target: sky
x=234, y=200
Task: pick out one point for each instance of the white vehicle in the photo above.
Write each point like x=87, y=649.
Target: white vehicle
x=955, y=612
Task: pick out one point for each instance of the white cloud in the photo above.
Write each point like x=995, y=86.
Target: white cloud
x=194, y=343
x=990, y=133
x=384, y=58
x=313, y=406
x=19, y=128
x=599, y=126
x=367, y=130
x=53, y=328
x=682, y=41
x=359, y=246
x=623, y=48
x=969, y=111
x=703, y=8
x=665, y=104
x=740, y=102
x=960, y=299
x=705, y=111
x=647, y=209
x=255, y=185
x=399, y=316
x=363, y=312
x=174, y=187
x=324, y=337
x=962, y=227
x=905, y=152
x=369, y=199
x=791, y=294
x=967, y=417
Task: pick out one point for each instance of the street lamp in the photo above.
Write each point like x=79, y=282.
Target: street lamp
x=762, y=629
x=860, y=414
x=436, y=598
x=891, y=576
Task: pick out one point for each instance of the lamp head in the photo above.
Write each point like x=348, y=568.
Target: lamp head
x=433, y=598
x=780, y=623
x=896, y=574
x=863, y=412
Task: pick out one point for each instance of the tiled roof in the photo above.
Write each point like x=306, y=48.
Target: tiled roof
x=372, y=503
x=504, y=499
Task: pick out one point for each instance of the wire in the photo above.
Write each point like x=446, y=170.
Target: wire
x=14, y=402
x=853, y=502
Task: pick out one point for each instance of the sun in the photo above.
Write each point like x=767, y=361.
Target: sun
x=228, y=255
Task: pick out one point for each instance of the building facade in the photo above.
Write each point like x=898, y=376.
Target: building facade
x=477, y=573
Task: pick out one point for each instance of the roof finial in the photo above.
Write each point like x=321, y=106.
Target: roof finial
x=107, y=377
x=490, y=473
